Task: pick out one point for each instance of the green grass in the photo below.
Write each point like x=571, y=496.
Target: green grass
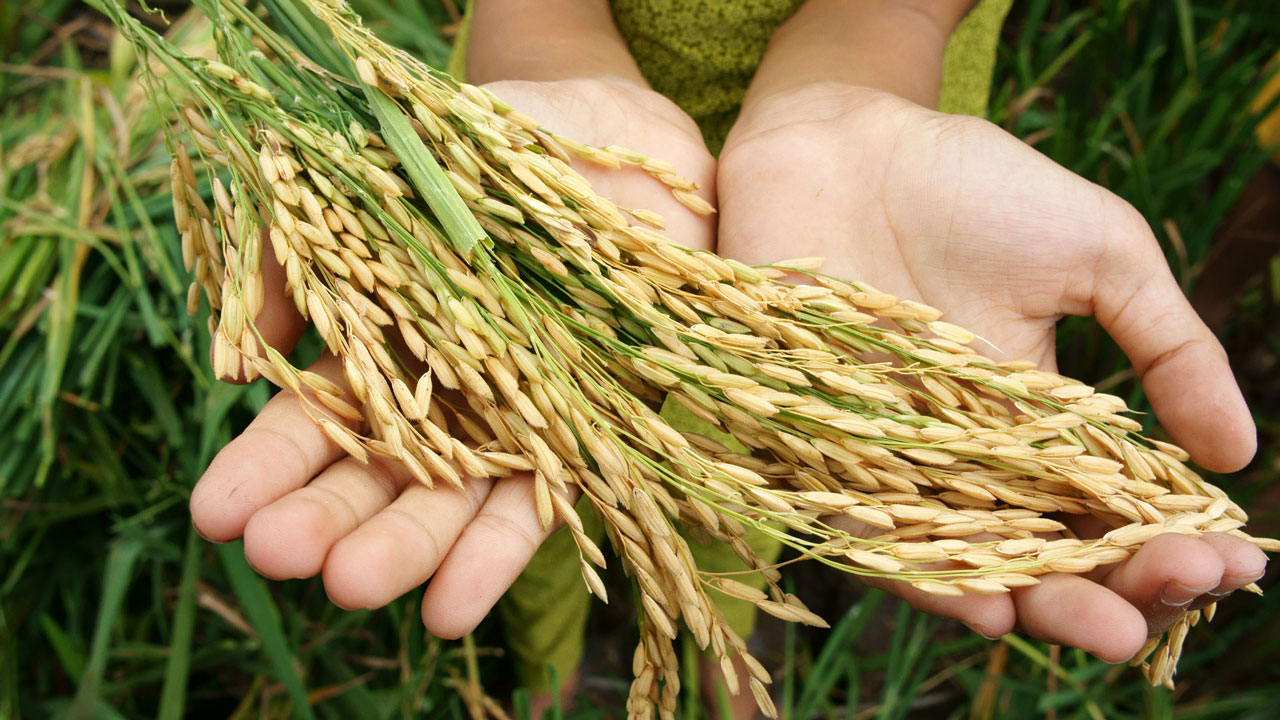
x=111, y=607
x=1149, y=100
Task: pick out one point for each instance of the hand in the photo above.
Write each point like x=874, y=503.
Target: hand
x=954, y=212
x=305, y=508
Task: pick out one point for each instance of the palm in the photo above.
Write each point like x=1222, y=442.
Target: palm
x=620, y=113
x=953, y=212
x=305, y=508
x=964, y=217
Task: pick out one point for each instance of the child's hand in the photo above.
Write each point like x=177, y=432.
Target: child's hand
x=305, y=508
x=953, y=211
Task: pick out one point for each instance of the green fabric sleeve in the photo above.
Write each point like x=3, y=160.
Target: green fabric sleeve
x=544, y=614
x=970, y=60
x=457, y=65
x=702, y=55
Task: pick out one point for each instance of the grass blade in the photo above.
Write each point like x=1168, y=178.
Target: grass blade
x=1186, y=33
x=835, y=656
x=263, y=614
x=173, y=695
x=460, y=225
x=120, y=561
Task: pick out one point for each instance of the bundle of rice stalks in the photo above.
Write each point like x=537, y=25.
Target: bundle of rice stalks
x=494, y=314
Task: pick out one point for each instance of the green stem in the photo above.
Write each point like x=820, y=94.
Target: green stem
x=460, y=224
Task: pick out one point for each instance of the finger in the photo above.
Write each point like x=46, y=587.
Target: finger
x=487, y=558
x=291, y=537
x=988, y=615
x=1183, y=368
x=1164, y=576
x=399, y=548
x=1242, y=561
x=279, y=452
x=1070, y=610
x=278, y=322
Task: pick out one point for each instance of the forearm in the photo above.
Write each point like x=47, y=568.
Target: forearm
x=546, y=40
x=890, y=45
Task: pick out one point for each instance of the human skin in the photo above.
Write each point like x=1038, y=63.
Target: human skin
x=840, y=156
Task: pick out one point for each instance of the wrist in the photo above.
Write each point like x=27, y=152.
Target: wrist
x=546, y=41
x=816, y=103
x=891, y=45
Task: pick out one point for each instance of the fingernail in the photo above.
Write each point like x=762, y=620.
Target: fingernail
x=1239, y=582
x=1176, y=594
x=981, y=632
x=204, y=537
x=1243, y=580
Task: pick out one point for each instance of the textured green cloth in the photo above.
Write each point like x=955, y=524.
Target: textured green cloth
x=701, y=54
x=971, y=59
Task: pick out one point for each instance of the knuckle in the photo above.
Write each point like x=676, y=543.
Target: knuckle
x=329, y=498
x=1128, y=232
x=508, y=528
x=418, y=529
x=276, y=436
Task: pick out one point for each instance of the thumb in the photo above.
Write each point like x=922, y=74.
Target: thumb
x=1182, y=366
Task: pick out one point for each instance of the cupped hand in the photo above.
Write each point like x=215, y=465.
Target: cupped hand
x=954, y=212
x=305, y=508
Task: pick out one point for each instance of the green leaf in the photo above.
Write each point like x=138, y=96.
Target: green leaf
x=120, y=561
x=70, y=655
x=1186, y=33
x=305, y=30
x=460, y=225
x=263, y=614
x=834, y=657
x=173, y=695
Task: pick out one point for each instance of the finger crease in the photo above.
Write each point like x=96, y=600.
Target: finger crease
x=292, y=443
x=503, y=525
x=416, y=523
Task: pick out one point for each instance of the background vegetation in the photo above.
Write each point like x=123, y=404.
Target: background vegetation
x=111, y=607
